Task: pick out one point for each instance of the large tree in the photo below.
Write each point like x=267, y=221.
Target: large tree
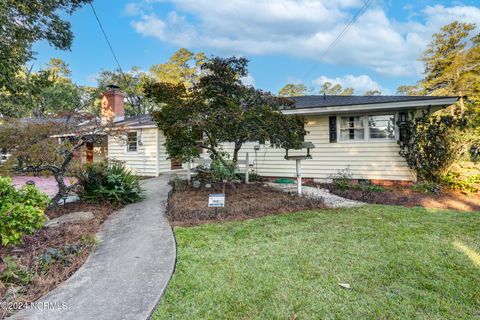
x=335, y=89
x=131, y=83
x=292, y=90
x=47, y=92
x=48, y=146
x=24, y=22
x=452, y=67
x=183, y=67
x=220, y=109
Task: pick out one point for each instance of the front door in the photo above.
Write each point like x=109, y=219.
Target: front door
x=89, y=152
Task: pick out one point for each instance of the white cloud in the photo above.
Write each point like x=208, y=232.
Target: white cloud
x=303, y=28
x=248, y=80
x=361, y=83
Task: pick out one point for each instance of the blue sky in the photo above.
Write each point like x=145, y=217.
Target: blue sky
x=285, y=40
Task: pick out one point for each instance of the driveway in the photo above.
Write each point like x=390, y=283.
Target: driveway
x=46, y=184
x=127, y=273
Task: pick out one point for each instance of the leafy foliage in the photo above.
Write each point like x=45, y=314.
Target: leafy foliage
x=47, y=92
x=292, y=90
x=219, y=108
x=21, y=211
x=343, y=179
x=336, y=89
x=15, y=274
x=110, y=182
x=34, y=149
x=23, y=23
x=432, y=143
x=426, y=187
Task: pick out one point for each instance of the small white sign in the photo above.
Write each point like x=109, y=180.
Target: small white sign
x=216, y=200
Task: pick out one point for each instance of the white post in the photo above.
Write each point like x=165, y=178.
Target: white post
x=189, y=172
x=247, y=164
x=299, y=177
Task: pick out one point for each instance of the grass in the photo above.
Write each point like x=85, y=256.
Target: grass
x=400, y=262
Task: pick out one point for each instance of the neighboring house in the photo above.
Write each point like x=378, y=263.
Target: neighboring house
x=355, y=132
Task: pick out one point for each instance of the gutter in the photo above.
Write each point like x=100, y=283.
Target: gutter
x=374, y=107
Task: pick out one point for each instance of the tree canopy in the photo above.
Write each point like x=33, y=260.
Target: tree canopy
x=220, y=109
x=47, y=92
x=24, y=22
x=335, y=89
x=292, y=90
x=451, y=67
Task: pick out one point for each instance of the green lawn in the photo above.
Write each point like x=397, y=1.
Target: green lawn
x=400, y=262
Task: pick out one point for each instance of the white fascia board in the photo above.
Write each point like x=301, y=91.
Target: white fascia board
x=373, y=107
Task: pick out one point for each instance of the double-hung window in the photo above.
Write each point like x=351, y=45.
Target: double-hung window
x=367, y=127
x=381, y=126
x=132, y=141
x=352, y=128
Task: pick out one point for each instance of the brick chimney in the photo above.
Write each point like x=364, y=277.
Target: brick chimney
x=113, y=104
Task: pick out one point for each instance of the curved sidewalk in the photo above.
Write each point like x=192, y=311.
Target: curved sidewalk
x=127, y=273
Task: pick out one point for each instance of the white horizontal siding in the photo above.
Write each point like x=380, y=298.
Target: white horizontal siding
x=164, y=164
x=367, y=160
x=144, y=161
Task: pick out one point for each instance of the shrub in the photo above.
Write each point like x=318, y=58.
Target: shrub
x=426, y=187
x=110, y=182
x=430, y=144
x=21, y=211
x=343, y=179
x=465, y=184
x=15, y=274
x=216, y=172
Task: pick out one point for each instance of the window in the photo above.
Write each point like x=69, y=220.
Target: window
x=367, y=127
x=352, y=128
x=381, y=126
x=132, y=142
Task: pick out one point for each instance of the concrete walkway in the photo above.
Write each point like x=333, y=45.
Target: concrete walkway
x=127, y=273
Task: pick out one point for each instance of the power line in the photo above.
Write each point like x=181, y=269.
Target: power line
x=341, y=34
x=108, y=41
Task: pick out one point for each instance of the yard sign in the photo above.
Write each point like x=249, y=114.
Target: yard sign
x=216, y=200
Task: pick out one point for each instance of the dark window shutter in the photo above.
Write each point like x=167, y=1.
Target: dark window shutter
x=402, y=120
x=332, y=124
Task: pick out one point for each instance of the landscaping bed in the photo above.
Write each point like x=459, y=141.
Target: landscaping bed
x=47, y=258
x=405, y=196
x=189, y=206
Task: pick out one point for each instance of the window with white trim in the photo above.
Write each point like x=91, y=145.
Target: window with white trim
x=367, y=127
x=352, y=128
x=132, y=141
x=381, y=126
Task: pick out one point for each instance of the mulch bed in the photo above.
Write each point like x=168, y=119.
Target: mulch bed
x=188, y=206
x=404, y=196
x=79, y=236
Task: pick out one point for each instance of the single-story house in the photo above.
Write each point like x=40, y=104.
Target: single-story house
x=355, y=132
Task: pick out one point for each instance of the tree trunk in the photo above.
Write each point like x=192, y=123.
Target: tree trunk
x=62, y=188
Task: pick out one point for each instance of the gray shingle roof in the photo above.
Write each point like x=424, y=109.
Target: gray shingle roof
x=314, y=101
x=318, y=101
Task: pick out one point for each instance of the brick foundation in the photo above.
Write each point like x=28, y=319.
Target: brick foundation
x=378, y=182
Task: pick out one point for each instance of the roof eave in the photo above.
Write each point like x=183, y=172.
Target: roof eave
x=388, y=106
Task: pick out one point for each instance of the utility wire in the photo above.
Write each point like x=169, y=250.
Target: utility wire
x=341, y=34
x=137, y=99
x=108, y=41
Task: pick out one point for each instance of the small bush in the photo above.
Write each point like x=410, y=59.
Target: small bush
x=216, y=172
x=343, y=179
x=465, y=184
x=110, y=182
x=426, y=187
x=15, y=274
x=21, y=211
